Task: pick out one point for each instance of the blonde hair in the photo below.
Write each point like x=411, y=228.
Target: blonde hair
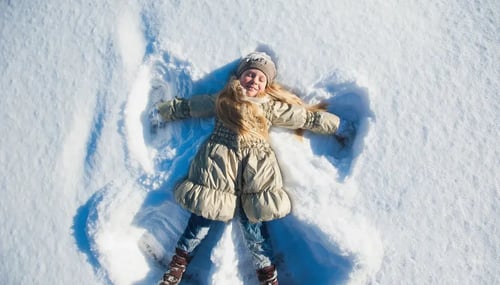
x=239, y=114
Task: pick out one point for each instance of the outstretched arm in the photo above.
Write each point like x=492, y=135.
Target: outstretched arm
x=200, y=106
x=299, y=117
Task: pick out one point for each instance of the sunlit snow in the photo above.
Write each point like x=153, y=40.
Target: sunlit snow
x=414, y=200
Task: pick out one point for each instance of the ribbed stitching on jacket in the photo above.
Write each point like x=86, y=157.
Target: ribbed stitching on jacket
x=231, y=139
x=312, y=120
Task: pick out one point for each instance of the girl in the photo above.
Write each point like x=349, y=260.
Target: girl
x=235, y=172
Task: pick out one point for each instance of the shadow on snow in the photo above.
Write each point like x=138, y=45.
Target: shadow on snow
x=350, y=102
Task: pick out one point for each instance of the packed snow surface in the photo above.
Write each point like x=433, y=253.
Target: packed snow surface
x=85, y=185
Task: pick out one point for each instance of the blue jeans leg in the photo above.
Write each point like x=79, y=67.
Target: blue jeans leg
x=196, y=230
x=257, y=240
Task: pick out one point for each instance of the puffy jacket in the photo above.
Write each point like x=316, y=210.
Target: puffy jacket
x=231, y=171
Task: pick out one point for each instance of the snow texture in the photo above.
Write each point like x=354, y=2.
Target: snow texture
x=87, y=190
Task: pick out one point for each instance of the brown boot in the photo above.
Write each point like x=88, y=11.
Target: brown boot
x=268, y=275
x=176, y=268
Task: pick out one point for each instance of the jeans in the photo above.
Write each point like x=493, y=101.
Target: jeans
x=256, y=238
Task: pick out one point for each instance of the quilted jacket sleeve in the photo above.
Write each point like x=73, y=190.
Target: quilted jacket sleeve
x=200, y=106
x=298, y=117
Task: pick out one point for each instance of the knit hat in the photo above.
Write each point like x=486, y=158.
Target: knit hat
x=260, y=61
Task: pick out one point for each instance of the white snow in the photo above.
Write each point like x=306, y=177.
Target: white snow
x=415, y=201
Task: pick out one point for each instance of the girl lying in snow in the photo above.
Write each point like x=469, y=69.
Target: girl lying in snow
x=235, y=172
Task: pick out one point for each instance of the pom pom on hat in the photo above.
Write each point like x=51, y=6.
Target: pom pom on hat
x=260, y=61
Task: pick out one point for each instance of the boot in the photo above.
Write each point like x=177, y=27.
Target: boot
x=268, y=275
x=176, y=268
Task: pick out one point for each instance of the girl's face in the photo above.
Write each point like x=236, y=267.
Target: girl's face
x=253, y=81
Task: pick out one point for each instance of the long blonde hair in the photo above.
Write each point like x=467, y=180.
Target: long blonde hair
x=239, y=114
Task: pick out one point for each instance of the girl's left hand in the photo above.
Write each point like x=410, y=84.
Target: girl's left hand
x=346, y=132
x=155, y=119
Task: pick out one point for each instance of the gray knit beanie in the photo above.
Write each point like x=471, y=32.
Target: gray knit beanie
x=260, y=61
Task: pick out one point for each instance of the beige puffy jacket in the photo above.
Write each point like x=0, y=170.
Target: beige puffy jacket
x=231, y=171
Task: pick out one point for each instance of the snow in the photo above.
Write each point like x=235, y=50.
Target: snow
x=414, y=201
